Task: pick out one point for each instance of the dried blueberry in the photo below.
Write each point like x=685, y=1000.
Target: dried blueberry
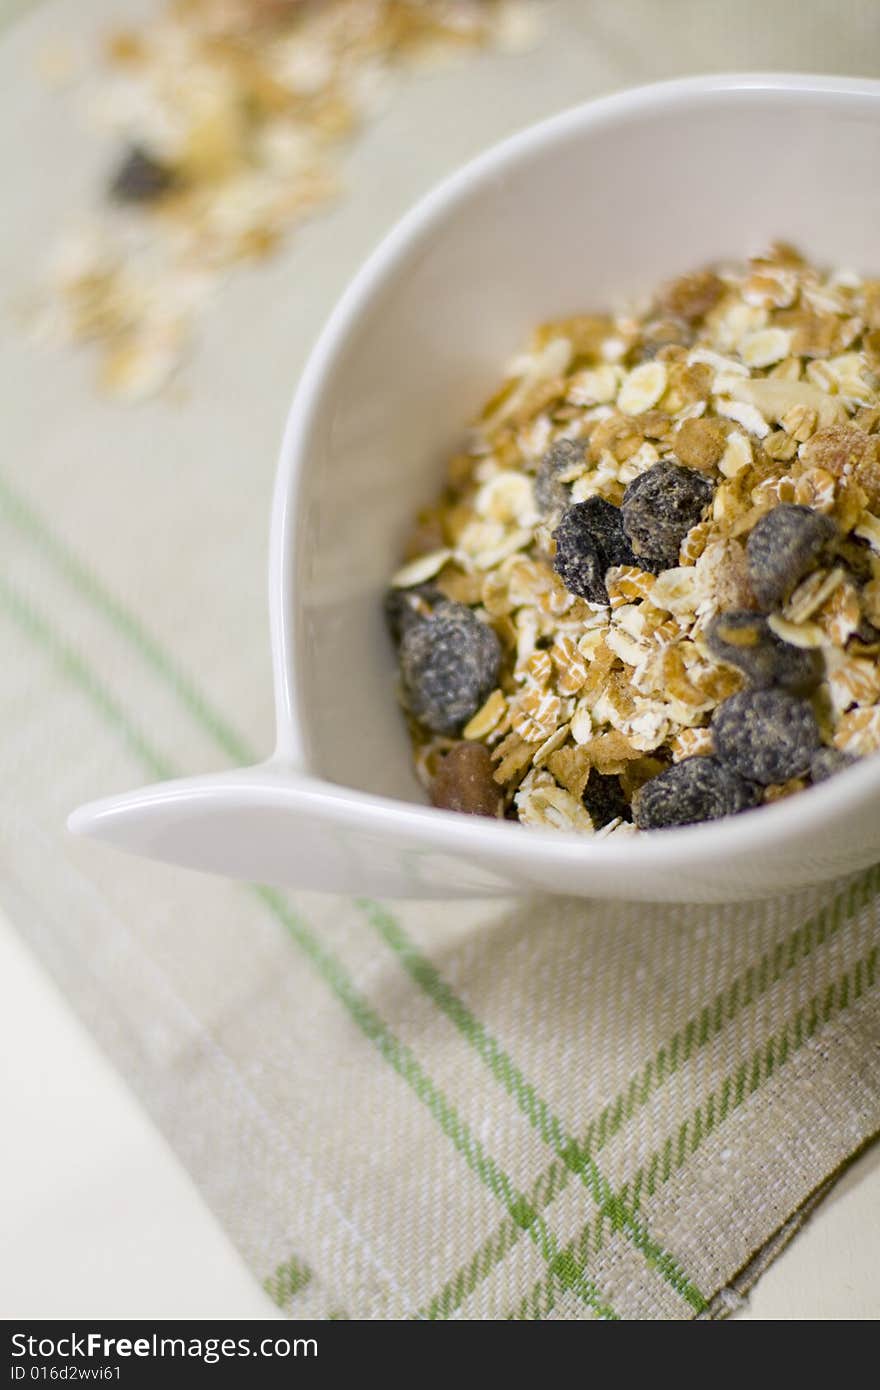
x=826, y=762
x=448, y=665
x=464, y=781
x=783, y=546
x=403, y=607
x=659, y=508
x=140, y=178
x=765, y=735
x=696, y=789
x=552, y=495
x=746, y=640
x=589, y=540
x=604, y=800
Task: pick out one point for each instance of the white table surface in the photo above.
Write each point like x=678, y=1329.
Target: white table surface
x=88, y=1188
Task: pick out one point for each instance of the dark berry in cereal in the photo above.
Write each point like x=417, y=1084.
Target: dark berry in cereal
x=589, y=540
x=827, y=762
x=448, y=665
x=783, y=546
x=140, y=178
x=659, y=508
x=745, y=640
x=403, y=607
x=765, y=735
x=696, y=789
x=464, y=781
x=552, y=495
x=604, y=799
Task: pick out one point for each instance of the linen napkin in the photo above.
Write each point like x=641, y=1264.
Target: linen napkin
x=539, y=1109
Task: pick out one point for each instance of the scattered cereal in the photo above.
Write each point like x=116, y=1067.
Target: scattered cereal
x=233, y=114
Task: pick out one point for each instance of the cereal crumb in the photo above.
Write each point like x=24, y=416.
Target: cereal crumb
x=235, y=113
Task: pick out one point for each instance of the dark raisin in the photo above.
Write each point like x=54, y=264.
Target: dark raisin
x=746, y=640
x=589, y=540
x=604, y=800
x=403, y=607
x=448, y=665
x=140, y=178
x=826, y=762
x=696, y=789
x=659, y=508
x=784, y=546
x=765, y=735
x=552, y=495
x=464, y=781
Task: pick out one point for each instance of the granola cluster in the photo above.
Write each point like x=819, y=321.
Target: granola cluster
x=670, y=521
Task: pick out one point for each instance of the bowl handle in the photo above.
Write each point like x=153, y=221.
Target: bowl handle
x=265, y=824
x=270, y=824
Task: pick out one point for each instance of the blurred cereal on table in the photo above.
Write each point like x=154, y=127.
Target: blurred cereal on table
x=230, y=117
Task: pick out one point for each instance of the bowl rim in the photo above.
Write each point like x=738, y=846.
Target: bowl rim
x=785, y=820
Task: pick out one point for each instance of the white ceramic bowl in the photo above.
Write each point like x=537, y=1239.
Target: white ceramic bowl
x=577, y=213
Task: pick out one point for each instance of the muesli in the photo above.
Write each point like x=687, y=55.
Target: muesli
x=649, y=594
